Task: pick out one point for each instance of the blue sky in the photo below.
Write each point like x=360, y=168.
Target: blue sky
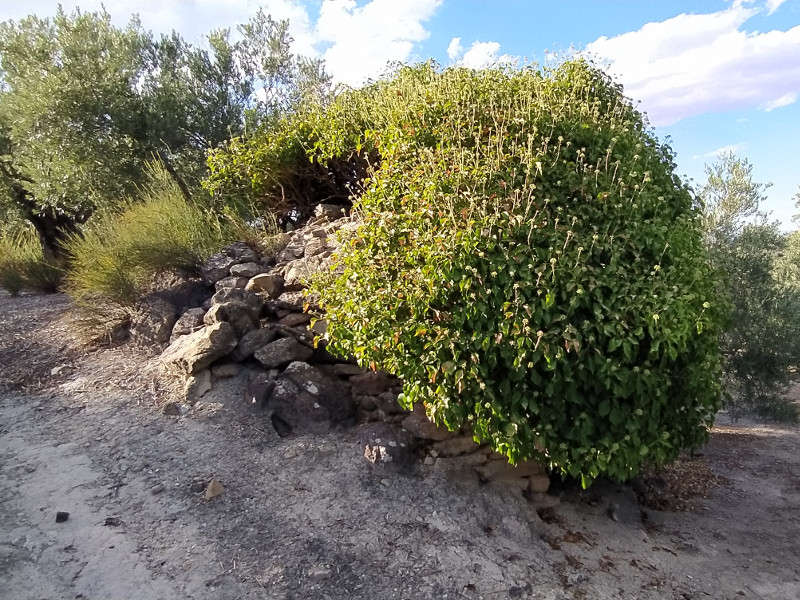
x=711, y=74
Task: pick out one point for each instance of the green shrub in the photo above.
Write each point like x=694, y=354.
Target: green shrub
x=23, y=266
x=528, y=263
x=118, y=255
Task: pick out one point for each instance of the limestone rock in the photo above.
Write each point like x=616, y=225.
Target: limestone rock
x=253, y=340
x=457, y=445
x=188, y=322
x=538, y=483
x=281, y=352
x=240, y=252
x=248, y=270
x=258, y=389
x=501, y=469
x=152, y=321
x=295, y=319
x=194, y=352
x=197, y=386
x=419, y=425
x=269, y=283
x=238, y=314
x=231, y=282
x=465, y=461
x=372, y=383
x=295, y=297
x=252, y=299
x=214, y=489
x=327, y=391
x=217, y=267
x=293, y=410
x=298, y=272
x=314, y=246
x=294, y=249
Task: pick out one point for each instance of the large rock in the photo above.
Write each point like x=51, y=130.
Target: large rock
x=457, y=445
x=240, y=252
x=230, y=282
x=194, y=352
x=238, y=314
x=388, y=445
x=297, y=273
x=373, y=383
x=293, y=410
x=179, y=290
x=253, y=340
x=389, y=404
x=258, y=389
x=217, y=267
x=418, y=424
x=197, y=386
x=152, y=321
x=248, y=269
x=327, y=391
x=189, y=322
x=294, y=319
x=281, y=352
x=252, y=299
x=269, y=283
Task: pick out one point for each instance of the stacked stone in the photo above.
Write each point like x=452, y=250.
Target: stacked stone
x=459, y=452
x=255, y=320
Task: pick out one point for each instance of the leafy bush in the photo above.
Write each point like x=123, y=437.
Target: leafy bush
x=23, y=266
x=117, y=256
x=528, y=263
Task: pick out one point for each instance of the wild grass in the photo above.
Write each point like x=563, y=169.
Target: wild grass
x=115, y=258
x=22, y=265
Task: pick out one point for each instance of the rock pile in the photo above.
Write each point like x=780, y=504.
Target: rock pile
x=255, y=320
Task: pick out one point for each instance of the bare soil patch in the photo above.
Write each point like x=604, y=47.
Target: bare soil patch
x=308, y=517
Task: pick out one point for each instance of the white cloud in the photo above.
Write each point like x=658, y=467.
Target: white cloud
x=479, y=55
x=773, y=5
x=785, y=100
x=735, y=148
x=696, y=63
x=364, y=39
x=454, y=49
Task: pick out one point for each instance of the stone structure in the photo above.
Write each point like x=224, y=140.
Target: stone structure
x=255, y=319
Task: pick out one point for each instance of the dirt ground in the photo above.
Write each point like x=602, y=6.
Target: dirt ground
x=309, y=518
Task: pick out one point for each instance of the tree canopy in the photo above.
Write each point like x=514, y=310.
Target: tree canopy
x=84, y=105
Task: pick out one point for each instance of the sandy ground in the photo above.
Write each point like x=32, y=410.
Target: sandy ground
x=308, y=517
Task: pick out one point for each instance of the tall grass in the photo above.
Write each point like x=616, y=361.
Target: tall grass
x=22, y=265
x=119, y=253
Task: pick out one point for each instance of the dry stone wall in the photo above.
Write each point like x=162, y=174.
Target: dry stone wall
x=254, y=320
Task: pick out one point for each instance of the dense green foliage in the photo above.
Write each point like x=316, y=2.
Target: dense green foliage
x=761, y=347
x=85, y=105
x=527, y=262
